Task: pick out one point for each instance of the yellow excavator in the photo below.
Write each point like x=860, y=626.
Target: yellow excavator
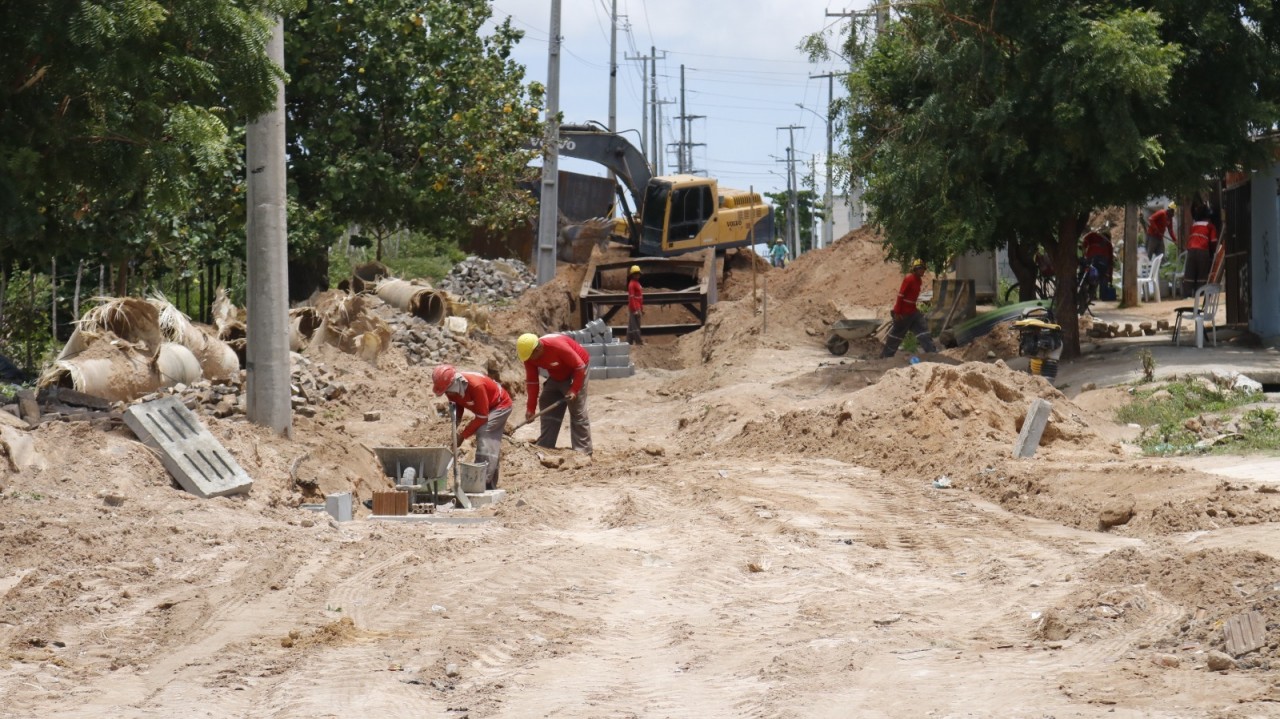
x=677, y=213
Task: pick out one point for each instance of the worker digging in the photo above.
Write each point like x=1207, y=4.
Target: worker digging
x=490, y=406
x=565, y=362
x=906, y=316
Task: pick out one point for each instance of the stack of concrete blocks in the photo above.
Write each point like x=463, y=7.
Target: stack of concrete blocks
x=610, y=359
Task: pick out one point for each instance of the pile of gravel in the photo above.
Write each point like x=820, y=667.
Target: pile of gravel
x=423, y=342
x=482, y=281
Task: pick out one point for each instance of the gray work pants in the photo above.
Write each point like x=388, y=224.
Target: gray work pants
x=579, y=423
x=633, y=329
x=902, y=324
x=489, y=445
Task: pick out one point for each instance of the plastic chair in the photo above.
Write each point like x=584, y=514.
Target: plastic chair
x=1203, y=309
x=1179, y=271
x=1149, y=284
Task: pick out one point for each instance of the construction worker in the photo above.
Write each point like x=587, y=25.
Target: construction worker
x=778, y=253
x=635, y=305
x=1202, y=240
x=1159, y=225
x=906, y=317
x=489, y=403
x=565, y=363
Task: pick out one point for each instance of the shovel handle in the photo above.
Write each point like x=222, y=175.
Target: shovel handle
x=539, y=413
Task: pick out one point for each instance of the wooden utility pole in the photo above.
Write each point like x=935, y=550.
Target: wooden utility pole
x=267, y=303
x=549, y=205
x=1129, y=278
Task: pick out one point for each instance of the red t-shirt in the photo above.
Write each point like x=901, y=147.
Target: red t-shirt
x=635, y=296
x=908, y=293
x=562, y=358
x=1096, y=245
x=1203, y=234
x=483, y=396
x=1160, y=223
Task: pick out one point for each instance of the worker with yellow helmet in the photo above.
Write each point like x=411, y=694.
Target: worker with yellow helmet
x=906, y=316
x=565, y=362
x=1160, y=225
x=635, y=305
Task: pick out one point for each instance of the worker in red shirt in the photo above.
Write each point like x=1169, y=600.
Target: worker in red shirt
x=635, y=304
x=1159, y=225
x=906, y=317
x=565, y=363
x=490, y=406
x=1202, y=240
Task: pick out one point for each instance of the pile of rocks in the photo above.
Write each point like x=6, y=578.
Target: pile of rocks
x=311, y=384
x=1106, y=330
x=488, y=281
x=421, y=341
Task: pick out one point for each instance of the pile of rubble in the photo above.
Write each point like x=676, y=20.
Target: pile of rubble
x=311, y=384
x=488, y=281
x=1107, y=330
x=422, y=341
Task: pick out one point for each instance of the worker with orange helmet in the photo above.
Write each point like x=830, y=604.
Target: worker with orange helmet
x=635, y=305
x=906, y=316
x=565, y=362
x=489, y=403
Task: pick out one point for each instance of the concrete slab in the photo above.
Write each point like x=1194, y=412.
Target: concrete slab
x=199, y=462
x=431, y=519
x=1032, y=428
x=338, y=506
x=1264, y=470
x=489, y=496
x=1245, y=633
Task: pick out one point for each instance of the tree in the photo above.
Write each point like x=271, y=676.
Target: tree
x=404, y=115
x=808, y=209
x=113, y=111
x=977, y=122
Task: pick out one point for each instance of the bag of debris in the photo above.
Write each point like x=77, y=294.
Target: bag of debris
x=347, y=323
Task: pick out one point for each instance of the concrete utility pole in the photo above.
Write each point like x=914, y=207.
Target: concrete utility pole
x=613, y=73
x=680, y=166
x=829, y=224
x=267, y=391
x=646, y=140
x=549, y=207
x=793, y=222
x=660, y=168
x=653, y=98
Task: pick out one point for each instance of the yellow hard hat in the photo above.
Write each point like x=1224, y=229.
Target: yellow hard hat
x=1173, y=205
x=525, y=345
x=917, y=263
x=635, y=270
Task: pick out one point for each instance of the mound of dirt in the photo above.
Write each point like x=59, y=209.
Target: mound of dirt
x=852, y=272
x=927, y=420
x=1171, y=600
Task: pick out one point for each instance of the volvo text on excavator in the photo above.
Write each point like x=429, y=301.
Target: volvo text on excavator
x=676, y=213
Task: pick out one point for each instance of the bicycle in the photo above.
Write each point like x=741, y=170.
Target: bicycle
x=1045, y=287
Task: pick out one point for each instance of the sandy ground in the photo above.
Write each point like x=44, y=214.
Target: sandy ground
x=757, y=535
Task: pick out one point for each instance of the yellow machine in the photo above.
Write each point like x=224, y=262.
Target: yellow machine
x=677, y=213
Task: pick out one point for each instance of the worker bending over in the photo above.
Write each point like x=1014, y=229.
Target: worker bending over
x=489, y=403
x=565, y=363
x=906, y=317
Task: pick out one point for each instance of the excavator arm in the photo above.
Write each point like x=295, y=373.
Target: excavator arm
x=586, y=142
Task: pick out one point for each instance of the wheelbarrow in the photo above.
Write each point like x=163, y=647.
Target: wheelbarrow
x=842, y=332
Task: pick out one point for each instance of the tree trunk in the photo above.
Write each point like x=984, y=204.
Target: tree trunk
x=1064, y=256
x=122, y=279
x=30, y=326
x=1022, y=260
x=1129, y=279
x=75, y=299
x=102, y=281
x=377, y=239
x=53, y=292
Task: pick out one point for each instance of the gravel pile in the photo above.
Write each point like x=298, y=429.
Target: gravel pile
x=310, y=383
x=422, y=342
x=488, y=281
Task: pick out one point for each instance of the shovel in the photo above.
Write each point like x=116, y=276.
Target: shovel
x=509, y=429
x=458, y=494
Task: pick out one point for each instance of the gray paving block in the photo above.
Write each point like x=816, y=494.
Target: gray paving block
x=617, y=361
x=617, y=349
x=199, y=462
x=594, y=349
x=598, y=373
x=338, y=506
x=489, y=496
x=1032, y=428
x=620, y=372
x=1245, y=633
x=598, y=362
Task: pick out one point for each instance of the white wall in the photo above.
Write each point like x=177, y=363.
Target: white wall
x=1264, y=258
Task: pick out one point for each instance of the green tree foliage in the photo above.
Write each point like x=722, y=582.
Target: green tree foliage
x=977, y=122
x=808, y=209
x=404, y=115
x=114, y=112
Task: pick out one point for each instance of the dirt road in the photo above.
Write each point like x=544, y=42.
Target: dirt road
x=755, y=537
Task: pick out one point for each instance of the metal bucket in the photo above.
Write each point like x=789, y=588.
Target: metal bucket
x=472, y=476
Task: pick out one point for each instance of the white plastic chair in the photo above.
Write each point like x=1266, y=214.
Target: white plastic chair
x=1149, y=284
x=1203, y=309
x=1179, y=271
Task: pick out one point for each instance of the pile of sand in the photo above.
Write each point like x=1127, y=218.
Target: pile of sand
x=852, y=272
x=927, y=420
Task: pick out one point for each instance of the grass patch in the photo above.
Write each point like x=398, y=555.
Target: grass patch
x=1194, y=416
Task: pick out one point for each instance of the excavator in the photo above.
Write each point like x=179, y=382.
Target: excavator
x=676, y=214
x=682, y=225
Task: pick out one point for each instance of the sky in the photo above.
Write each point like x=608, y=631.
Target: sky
x=742, y=70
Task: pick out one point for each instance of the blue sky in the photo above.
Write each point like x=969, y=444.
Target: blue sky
x=742, y=71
